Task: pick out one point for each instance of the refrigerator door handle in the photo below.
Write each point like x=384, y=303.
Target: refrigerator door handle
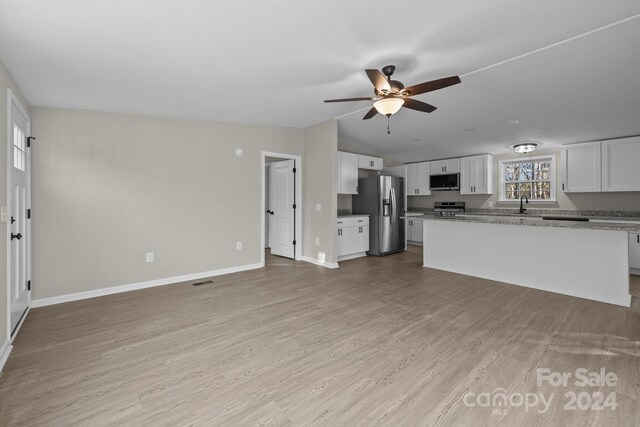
x=393, y=206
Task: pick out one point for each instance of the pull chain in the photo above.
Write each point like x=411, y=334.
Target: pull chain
x=388, y=130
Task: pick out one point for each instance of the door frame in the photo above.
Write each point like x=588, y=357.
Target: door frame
x=298, y=196
x=12, y=100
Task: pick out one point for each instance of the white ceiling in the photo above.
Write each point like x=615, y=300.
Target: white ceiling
x=575, y=76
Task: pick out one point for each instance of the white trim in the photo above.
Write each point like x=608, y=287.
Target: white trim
x=299, y=201
x=352, y=256
x=634, y=271
x=4, y=353
x=552, y=179
x=12, y=100
x=21, y=321
x=320, y=263
x=41, y=302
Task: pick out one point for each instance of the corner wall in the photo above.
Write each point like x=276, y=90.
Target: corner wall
x=320, y=161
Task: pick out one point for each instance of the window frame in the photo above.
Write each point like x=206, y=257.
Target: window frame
x=552, y=178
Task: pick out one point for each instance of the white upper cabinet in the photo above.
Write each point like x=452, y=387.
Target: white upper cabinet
x=418, y=179
x=368, y=162
x=621, y=164
x=347, y=173
x=442, y=167
x=581, y=167
x=476, y=174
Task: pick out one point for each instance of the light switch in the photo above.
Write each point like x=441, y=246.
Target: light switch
x=150, y=257
x=4, y=215
x=318, y=207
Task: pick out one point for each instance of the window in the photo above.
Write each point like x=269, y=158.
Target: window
x=19, y=157
x=534, y=177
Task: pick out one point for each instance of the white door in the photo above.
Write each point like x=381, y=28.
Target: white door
x=267, y=201
x=282, y=221
x=19, y=202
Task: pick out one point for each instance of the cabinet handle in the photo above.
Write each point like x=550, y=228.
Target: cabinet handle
x=562, y=187
x=417, y=191
x=638, y=237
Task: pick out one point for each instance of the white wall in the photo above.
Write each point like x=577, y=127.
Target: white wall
x=109, y=187
x=6, y=82
x=583, y=201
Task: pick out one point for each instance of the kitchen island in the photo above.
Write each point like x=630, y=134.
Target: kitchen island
x=582, y=259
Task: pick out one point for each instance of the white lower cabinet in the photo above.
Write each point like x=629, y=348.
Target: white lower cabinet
x=414, y=230
x=634, y=251
x=353, y=237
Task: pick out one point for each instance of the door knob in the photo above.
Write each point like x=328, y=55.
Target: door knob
x=16, y=236
x=270, y=212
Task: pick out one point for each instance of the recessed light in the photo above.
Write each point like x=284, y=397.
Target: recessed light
x=513, y=122
x=526, y=147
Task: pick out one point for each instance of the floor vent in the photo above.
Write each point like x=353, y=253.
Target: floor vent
x=206, y=282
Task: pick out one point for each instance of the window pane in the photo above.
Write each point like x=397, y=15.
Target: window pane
x=510, y=191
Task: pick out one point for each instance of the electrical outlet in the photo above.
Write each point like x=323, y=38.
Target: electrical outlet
x=239, y=246
x=317, y=241
x=318, y=207
x=4, y=214
x=490, y=204
x=150, y=256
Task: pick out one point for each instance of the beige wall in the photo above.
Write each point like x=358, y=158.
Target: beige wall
x=109, y=187
x=320, y=161
x=6, y=82
x=583, y=201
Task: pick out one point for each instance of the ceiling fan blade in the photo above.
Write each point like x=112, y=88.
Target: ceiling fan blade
x=414, y=104
x=432, y=85
x=366, y=98
x=379, y=80
x=370, y=114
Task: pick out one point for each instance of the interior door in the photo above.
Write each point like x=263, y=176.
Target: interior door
x=19, y=202
x=282, y=221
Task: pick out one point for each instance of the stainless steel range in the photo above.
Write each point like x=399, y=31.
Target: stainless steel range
x=448, y=208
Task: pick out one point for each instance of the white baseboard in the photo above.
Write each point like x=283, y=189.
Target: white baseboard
x=351, y=256
x=41, y=302
x=320, y=263
x=634, y=271
x=4, y=353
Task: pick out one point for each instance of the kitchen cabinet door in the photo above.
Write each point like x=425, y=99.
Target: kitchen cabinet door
x=361, y=238
x=347, y=240
x=476, y=174
x=347, y=173
x=581, y=167
x=634, y=251
x=424, y=172
x=442, y=167
x=368, y=162
x=418, y=179
x=417, y=231
x=412, y=179
x=620, y=164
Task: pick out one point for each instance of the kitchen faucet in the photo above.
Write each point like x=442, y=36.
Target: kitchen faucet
x=522, y=208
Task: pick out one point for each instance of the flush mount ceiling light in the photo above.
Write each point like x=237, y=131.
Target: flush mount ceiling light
x=388, y=106
x=525, y=148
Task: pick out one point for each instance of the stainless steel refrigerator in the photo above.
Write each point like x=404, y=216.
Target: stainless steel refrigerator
x=382, y=198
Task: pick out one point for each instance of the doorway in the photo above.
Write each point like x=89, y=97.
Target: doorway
x=281, y=206
x=19, y=209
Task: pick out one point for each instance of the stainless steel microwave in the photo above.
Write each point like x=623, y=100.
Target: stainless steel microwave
x=446, y=182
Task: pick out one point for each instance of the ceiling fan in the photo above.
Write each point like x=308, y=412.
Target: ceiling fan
x=391, y=95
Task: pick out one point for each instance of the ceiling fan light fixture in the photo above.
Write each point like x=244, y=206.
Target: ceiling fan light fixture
x=525, y=148
x=388, y=106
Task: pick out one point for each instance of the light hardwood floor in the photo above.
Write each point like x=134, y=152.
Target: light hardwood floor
x=379, y=341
